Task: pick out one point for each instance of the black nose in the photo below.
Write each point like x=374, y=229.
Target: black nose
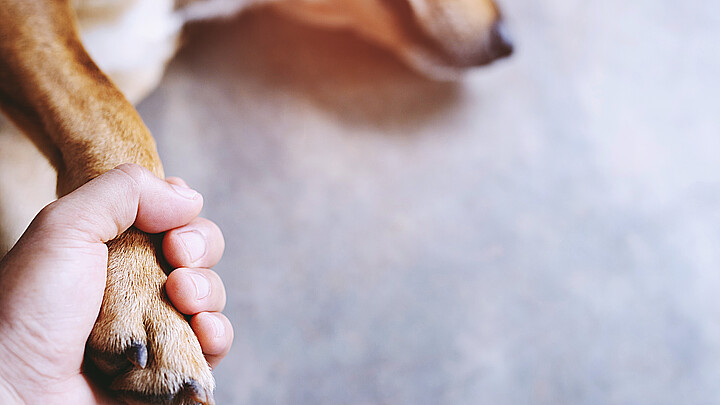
x=500, y=44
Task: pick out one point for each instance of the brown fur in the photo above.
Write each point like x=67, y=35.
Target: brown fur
x=54, y=92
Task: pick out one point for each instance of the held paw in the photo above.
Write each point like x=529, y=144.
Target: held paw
x=144, y=348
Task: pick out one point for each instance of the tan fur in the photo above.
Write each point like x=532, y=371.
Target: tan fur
x=52, y=90
x=147, y=317
x=439, y=38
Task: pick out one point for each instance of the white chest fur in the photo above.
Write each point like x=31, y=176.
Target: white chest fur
x=132, y=40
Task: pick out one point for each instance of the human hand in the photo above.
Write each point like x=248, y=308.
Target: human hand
x=53, y=281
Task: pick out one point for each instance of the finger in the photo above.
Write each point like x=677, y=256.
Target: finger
x=195, y=290
x=106, y=206
x=215, y=334
x=162, y=205
x=197, y=244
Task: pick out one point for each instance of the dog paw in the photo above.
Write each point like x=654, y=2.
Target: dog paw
x=142, y=346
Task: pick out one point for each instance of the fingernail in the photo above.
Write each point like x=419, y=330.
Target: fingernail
x=185, y=191
x=194, y=243
x=218, y=326
x=202, y=285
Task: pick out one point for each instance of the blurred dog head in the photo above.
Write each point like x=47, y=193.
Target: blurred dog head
x=439, y=38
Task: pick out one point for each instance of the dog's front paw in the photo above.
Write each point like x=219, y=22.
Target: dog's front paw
x=145, y=349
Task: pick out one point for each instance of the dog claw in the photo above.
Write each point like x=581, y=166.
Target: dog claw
x=137, y=354
x=199, y=394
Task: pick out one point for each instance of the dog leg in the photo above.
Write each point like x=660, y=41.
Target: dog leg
x=54, y=92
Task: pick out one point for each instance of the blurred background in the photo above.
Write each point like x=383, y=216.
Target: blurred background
x=545, y=231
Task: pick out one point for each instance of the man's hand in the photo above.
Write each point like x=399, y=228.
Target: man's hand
x=52, y=281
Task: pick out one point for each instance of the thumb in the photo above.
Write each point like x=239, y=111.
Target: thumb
x=66, y=239
x=109, y=204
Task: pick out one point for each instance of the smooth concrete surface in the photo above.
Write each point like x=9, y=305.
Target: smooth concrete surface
x=546, y=231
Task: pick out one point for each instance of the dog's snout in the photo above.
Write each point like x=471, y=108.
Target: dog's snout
x=500, y=44
x=495, y=44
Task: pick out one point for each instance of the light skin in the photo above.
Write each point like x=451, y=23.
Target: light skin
x=53, y=281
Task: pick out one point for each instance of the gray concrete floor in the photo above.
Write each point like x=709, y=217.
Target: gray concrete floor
x=546, y=231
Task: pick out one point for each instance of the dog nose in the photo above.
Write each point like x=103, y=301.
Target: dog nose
x=495, y=45
x=500, y=44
